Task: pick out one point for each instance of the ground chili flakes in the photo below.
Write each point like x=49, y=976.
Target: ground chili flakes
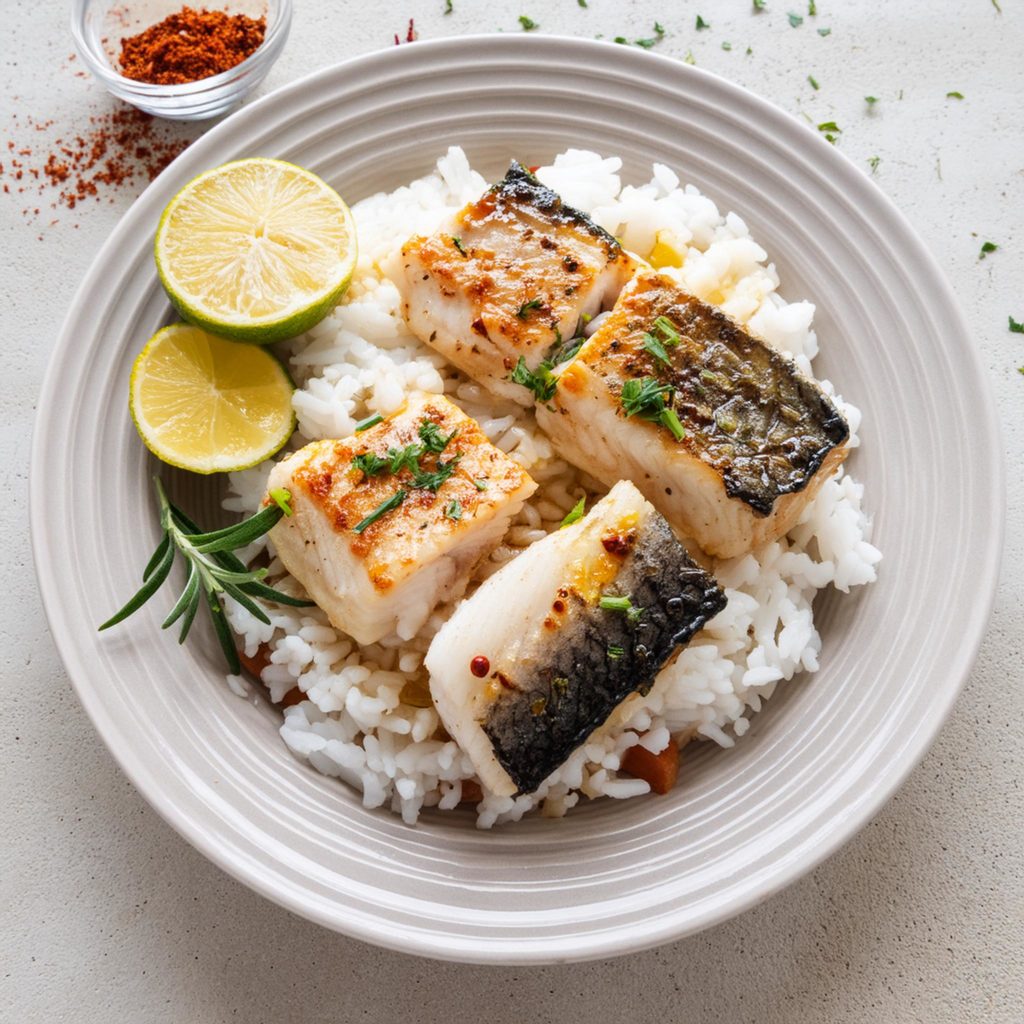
x=190, y=45
x=120, y=147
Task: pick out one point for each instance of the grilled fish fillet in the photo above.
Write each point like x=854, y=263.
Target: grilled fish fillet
x=760, y=438
x=532, y=664
x=376, y=578
x=512, y=276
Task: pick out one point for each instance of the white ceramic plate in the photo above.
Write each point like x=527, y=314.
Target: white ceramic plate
x=612, y=877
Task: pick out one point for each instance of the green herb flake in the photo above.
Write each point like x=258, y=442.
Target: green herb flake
x=830, y=130
x=528, y=23
x=812, y=9
x=447, y=7
x=427, y=480
x=370, y=464
x=670, y=421
x=457, y=242
x=954, y=95
x=813, y=81
x=870, y=100
x=575, y=514
x=404, y=458
x=615, y=652
x=667, y=330
x=873, y=162
x=480, y=485
x=689, y=58
x=1015, y=327
x=659, y=29
x=759, y=5
x=281, y=498
x=749, y=51
x=382, y=509
x=1020, y=369
x=542, y=382
x=726, y=45
x=610, y=603
x=795, y=19
x=621, y=40
x=986, y=248
x=525, y=309
x=654, y=347
x=646, y=398
x=701, y=23
x=582, y=3
x=370, y=421
x=453, y=510
x=432, y=438
x=646, y=44
x=824, y=32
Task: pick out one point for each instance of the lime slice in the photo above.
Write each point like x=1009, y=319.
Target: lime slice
x=257, y=250
x=209, y=405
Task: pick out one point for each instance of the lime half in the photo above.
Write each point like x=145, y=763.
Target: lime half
x=256, y=250
x=209, y=405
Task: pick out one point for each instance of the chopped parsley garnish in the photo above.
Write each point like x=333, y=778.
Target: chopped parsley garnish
x=726, y=46
x=528, y=23
x=457, y=242
x=1020, y=370
x=432, y=438
x=689, y=58
x=542, y=382
x=620, y=604
x=480, y=485
x=432, y=481
x=812, y=8
x=995, y=4
x=824, y=32
x=749, y=51
x=404, y=458
x=1015, y=327
x=453, y=511
x=655, y=348
x=830, y=130
x=954, y=95
x=370, y=421
x=382, y=509
x=575, y=514
x=658, y=29
x=759, y=5
x=874, y=161
x=615, y=652
x=524, y=310
x=645, y=397
x=986, y=248
x=667, y=330
x=448, y=7
x=701, y=23
x=870, y=100
x=582, y=3
x=813, y=81
x=622, y=40
x=370, y=464
x=795, y=19
x=646, y=44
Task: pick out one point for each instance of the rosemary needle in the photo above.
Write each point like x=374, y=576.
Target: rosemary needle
x=213, y=570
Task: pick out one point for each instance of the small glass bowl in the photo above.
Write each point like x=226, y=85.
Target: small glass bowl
x=99, y=25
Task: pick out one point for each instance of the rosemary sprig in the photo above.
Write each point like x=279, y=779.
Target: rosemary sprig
x=213, y=570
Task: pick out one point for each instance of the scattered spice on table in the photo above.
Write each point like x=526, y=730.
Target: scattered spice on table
x=190, y=45
x=117, y=148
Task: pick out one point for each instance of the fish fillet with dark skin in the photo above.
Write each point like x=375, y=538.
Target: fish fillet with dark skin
x=538, y=659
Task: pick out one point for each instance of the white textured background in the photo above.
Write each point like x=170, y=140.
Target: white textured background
x=109, y=916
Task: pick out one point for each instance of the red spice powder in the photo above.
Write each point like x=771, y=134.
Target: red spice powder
x=190, y=45
x=120, y=147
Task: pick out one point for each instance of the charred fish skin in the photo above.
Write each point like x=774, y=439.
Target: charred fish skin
x=601, y=656
x=722, y=433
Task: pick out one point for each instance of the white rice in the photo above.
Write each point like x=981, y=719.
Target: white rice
x=360, y=719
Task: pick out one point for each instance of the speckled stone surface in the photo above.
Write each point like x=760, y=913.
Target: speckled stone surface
x=109, y=916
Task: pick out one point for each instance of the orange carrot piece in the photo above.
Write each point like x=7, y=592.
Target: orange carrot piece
x=471, y=792
x=659, y=771
x=256, y=663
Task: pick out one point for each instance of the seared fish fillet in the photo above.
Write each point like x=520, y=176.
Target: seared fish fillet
x=539, y=657
x=512, y=276
x=751, y=440
x=378, y=563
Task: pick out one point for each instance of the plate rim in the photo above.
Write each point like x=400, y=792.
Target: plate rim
x=622, y=941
